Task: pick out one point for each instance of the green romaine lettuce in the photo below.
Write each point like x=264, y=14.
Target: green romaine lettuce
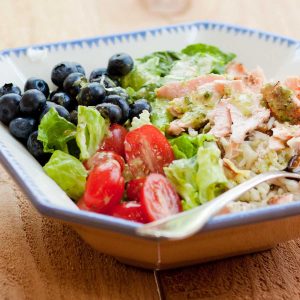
x=200, y=178
x=166, y=60
x=204, y=49
x=186, y=146
x=211, y=179
x=143, y=73
x=68, y=172
x=160, y=116
x=91, y=129
x=142, y=119
x=55, y=132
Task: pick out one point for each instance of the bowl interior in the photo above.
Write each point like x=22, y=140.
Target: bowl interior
x=278, y=56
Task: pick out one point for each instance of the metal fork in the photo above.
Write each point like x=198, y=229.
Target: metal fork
x=189, y=222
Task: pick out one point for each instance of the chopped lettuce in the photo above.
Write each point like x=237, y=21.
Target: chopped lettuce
x=186, y=146
x=199, y=178
x=160, y=116
x=219, y=58
x=91, y=129
x=210, y=174
x=143, y=73
x=189, y=67
x=68, y=172
x=158, y=68
x=55, y=132
x=166, y=60
x=204, y=49
x=143, y=119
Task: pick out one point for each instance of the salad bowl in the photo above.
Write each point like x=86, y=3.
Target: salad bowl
x=224, y=235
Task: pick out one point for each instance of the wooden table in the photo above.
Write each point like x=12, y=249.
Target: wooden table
x=43, y=259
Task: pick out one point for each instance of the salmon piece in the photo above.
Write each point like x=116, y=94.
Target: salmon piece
x=283, y=103
x=183, y=88
x=284, y=132
x=281, y=199
x=221, y=118
x=276, y=144
x=231, y=149
x=176, y=127
x=253, y=80
x=241, y=125
x=293, y=83
x=233, y=86
x=236, y=69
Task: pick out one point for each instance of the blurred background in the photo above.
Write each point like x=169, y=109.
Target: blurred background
x=24, y=22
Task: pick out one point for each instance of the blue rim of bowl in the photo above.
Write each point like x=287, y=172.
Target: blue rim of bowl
x=100, y=221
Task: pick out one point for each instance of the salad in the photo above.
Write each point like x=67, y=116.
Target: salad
x=148, y=138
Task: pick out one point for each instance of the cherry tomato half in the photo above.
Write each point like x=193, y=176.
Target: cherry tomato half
x=134, y=188
x=158, y=198
x=104, y=187
x=130, y=210
x=81, y=204
x=115, y=140
x=102, y=156
x=147, y=151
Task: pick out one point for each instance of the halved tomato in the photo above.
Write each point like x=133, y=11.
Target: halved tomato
x=130, y=210
x=158, y=198
x=147, y=151
x=102, y=156
x=134, y=188
x=115, y=140
x=104, y=187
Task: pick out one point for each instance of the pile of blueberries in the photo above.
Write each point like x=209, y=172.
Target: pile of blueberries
x=22, y=113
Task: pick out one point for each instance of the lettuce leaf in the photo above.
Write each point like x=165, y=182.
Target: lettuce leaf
x=143, y=119
x=204, y=49
x=211, y=179
x=68, y=172
x=143, y=73
x=166, y=60
x=219, y=59
x=160, y=116
x=199, y=178
x=55, y=132
x=91, y=129
x=186, y=146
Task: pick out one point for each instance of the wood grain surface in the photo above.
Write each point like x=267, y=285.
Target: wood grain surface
x=44, y=259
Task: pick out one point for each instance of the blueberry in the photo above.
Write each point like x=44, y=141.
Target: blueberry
x=58, y=90
x=122, y=103
x=60, y=109
x=119, y=65
x=32, y=103
x=21, y=128
x=37, y=84
x=97, y=73
x=35, y=147
x=9, y=88
x=72, y=84
x=74, y=117
x=111, y=111
x=62, y=70
x=92, y=94
x=138, y=106
x=62, y=99
x=9, y=107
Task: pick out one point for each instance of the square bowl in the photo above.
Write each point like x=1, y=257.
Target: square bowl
x=223, y=236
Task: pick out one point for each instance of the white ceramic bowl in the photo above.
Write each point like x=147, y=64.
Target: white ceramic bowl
x=224, y=235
